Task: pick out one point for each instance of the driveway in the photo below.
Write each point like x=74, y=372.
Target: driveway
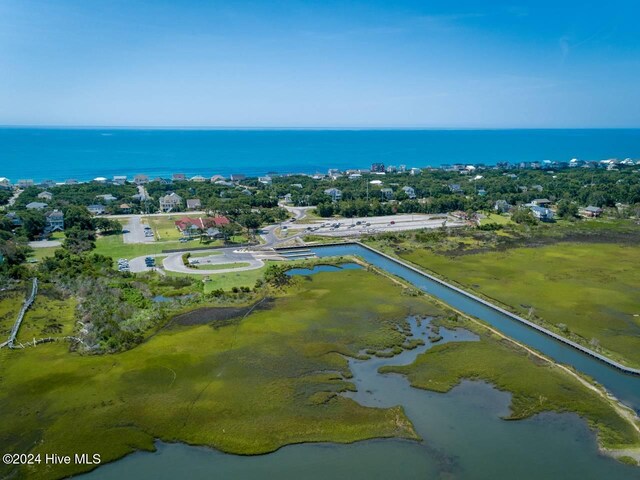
x=45, y=243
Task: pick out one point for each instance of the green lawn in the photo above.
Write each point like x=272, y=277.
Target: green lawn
x=495, y=218
x=592, y=288
x=113, y=246
x=204, y=266
x=164, y=227
x=246, y=387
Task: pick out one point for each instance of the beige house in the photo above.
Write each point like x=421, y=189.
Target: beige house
x=170, y=202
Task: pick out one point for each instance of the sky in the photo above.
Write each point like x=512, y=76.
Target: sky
x=338, y=64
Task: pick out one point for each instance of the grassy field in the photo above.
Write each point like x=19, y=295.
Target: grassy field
x=536, y=386
x=10, y=304
x=204, y=266
x=164, y=228
x=495, y=218
x=113, y=246
x=591, y=288
x=247, y=387
x=50, y=315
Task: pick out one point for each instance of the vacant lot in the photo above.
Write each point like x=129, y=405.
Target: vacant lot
x=589, y=290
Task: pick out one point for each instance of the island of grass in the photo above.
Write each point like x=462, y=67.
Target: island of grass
x=249, y=384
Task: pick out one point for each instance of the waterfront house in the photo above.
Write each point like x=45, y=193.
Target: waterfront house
x=100, y=179
x=5, y=182
x=265, y=180
x=54, y=221
x=541, y=213
x=178, y=177
x=591, y=212
x=410, y=191
x=170, y=202
x=193, y=203
x=216, y=178
x=141, y=179
x=414, y=171
x=36, y=206
x=198, y=179
x=71, y=181
x=96, y=209
x=377, y=167
x=237, y=177
x=334, y=193
x=119, y=179
x=45, y=196
x=25, y=183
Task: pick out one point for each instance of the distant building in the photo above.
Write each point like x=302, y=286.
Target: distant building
x=170, y=202
x=455, y=188
x=411, y=193
x=55, y=221
x=140, y=179
x=45, y=196
x=100, y=180
x=591, y=211
x=36, y=206
x=178, y=177
x=387, y=193
x=415, y=171
x=237, y=177
x=265, y=180
x=288, y=198
x=193, y=204
x=71, y=181
x=125, y=208
x=377, y=167
x=198, y=179
x=107, y=197
x=334, y=193
x=502, y=206
x=96, y=209
x=48, y=183
x=482, y=192
x=15, y=220
x=541, y=202
x=119, y=179
x=541, y=213
x=190, y=226
x=5, y=182
x=216, y=178
x=25, y=183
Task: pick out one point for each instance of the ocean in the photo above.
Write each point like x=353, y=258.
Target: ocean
x=83, y=154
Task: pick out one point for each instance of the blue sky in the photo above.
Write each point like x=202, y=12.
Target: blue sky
x=320, y=63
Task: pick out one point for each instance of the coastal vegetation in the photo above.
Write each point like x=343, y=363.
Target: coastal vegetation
x=576, y=279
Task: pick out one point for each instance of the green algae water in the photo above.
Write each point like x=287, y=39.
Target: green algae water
x=464, y=436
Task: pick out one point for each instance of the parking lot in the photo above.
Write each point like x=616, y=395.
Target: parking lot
x=137, y=232
x=369, y=225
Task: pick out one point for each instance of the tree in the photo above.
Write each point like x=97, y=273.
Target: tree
x=276, y=275
x=524, y=216
x=78, y=241
x=567, y=209
x=77, y=216
x=33, y=223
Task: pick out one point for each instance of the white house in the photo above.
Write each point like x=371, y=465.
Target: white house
x=5, y=182
x=170, y=202
x=411, y=193
x=45, y=196
x=96, y=209
x=334, y=193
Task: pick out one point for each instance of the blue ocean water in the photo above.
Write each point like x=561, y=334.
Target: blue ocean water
x=59, y=154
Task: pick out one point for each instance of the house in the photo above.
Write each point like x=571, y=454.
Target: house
x=377, y=167
x=334, y=193
x=96, y=209
x=5, y=182
x=125, y=208
x=47, y=183
x=411, y=193
x=455, y=188
x=198, y=179
x=265, y=180
x=193, y=203
x=216, y=178
x=45, y=196
x=55, y=221
x=36, y=206
x=25, y=183
x=355, y=176
x=119, y=179
x=178, y=177
x=541, y=202
x=591, y=212
x=15, y=220
x=288, y=198
x=170, y=202
x=539, y=188
x=190, y=226
x=415, y=171
x=482, y=192
x=107, y=197
x=541, y=213
x=71, y=181
x=100, y=179
x=140, y=179
x=502, y=206
x=237, y=177
x=387, y=193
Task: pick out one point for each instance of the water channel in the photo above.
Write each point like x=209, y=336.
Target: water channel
x=464, y=434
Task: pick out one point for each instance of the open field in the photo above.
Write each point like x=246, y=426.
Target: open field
x=589, y=290
x=249, y=387
x=50, y=315
x=164, y=227
x=113, y=246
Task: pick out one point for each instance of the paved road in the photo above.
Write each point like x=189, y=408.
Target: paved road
x=135, y=231
x=45, y=243
x=173, y=261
